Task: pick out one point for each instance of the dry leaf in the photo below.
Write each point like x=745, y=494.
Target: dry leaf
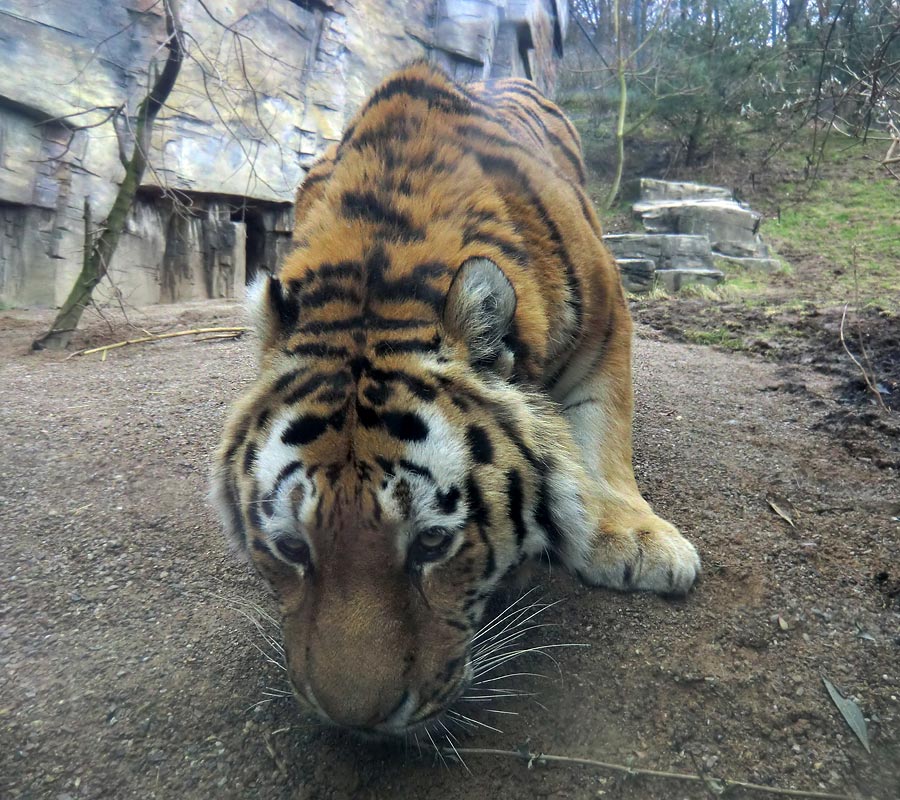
x=850, y=712
x=781, y=507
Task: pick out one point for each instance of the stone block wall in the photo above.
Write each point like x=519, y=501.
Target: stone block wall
x=269, y=84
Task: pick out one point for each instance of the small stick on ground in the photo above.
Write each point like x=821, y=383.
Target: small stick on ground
x=229, y=333
x=214, y=336
x=725, y=783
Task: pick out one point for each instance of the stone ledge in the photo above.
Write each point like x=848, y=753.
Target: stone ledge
x=676, y=279
x=746, y=262
x=667, y=251
x=653, y=189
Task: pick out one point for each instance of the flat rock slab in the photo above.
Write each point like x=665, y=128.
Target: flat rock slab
x=676, y=279
x=637, y=274
x=666, y=251
x=652, y=189
x=755, y=264
x=732, y=229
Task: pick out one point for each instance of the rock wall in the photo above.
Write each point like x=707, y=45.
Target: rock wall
x=268, y=84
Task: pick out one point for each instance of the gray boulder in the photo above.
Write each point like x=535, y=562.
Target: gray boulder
x=688, y=227
x=752, y=263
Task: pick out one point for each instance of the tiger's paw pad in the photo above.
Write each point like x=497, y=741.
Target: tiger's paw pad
x=649, y=556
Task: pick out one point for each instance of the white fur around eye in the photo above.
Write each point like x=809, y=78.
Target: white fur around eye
x=444, y=453
x=271, y=461
x=274, y=456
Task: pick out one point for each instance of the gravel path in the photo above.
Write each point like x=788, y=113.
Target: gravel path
x=130, y=666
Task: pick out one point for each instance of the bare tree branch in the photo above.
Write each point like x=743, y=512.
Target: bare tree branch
x=99, y=251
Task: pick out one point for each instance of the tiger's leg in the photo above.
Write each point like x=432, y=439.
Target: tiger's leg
x=633, y=547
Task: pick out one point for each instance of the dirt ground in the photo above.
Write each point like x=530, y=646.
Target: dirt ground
x=131, y=667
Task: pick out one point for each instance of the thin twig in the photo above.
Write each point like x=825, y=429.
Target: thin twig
x=233, y=332
x=860, y=339
x=725, y=783
x=228, y=335
x=869, y=385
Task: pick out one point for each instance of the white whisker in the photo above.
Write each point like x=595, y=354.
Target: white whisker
x=450, y=739
x=511, y=675
x=489, y=698
x=484, y=652
x=510, y=623
x=465, y=724
x=476, y=722
x=489, y=665
x=508, y=611
x=233, y=602
x=269, y=640
x=522, y=616
x=267, y=657
x=436, y=748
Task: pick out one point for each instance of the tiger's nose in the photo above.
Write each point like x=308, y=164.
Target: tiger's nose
x=385, y=713
x=360, y=699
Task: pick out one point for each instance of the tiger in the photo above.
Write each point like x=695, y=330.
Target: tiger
x=444, y=393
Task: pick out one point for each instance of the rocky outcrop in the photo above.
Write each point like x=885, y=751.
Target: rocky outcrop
x=689, y=228
x=732, y=229
x=672, y=260
x=694, y=209
x=638, y=274
x=268, y=85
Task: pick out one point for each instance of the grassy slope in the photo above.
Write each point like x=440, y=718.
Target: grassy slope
x=838, y=237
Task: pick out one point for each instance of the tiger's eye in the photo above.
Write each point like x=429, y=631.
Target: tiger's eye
x=293, y=550
x=430, y=545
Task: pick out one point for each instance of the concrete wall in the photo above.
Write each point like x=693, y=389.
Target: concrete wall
x=268, y=84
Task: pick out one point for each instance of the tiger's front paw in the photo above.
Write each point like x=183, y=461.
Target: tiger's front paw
x=645, y=553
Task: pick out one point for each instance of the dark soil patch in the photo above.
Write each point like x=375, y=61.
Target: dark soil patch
x=806, y=335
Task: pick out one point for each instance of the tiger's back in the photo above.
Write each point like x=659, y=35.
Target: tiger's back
x=490, y=170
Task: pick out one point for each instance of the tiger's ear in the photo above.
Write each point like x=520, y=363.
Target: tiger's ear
x=273, y=308
x=479, y=309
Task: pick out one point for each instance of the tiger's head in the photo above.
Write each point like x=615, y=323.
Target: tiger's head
x=383, y=479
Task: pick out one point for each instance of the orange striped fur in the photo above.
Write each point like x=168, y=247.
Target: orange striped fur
x=444, y=393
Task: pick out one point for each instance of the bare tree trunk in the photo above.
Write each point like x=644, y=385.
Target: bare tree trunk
x=796, y=16
x=694, y=139
x=99, y=250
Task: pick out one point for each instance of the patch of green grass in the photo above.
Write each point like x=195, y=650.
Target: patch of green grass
x=740, y=283
x=848, y=225
x=718, y=337
x=698, y=290
x=747, y=285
